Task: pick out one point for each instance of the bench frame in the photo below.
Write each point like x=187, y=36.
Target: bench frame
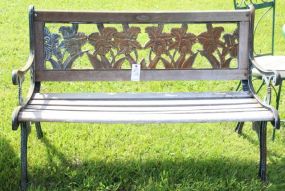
x=36, y=22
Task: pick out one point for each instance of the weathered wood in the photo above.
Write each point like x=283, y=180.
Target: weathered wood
x=39, y=47
x=142, y=17
x=143, y=102
x=146, y=108
x=146, y=75
x=152, y=96
x=243, y=52
x=130, y=117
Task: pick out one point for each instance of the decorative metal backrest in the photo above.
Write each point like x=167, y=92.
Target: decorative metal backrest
x=105, y=46
x=263, y=9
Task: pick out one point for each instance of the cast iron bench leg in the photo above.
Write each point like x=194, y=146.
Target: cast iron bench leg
x=24, y=141
x=263, y=151
x=239, y=127
x=39, y=130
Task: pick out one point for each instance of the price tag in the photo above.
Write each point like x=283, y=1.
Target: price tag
x=136, y=72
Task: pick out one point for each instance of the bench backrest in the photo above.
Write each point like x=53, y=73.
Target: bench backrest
x=91, y=46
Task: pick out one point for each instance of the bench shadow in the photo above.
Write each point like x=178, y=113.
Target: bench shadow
x=69, y=174
x=9, y=167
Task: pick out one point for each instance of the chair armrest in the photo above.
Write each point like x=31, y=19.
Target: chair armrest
x=18, y=75
x=273, y=75
x=270, y=77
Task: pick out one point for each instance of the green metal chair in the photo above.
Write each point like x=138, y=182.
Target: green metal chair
x=266, y=60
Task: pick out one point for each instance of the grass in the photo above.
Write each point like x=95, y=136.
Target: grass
x=130, y=157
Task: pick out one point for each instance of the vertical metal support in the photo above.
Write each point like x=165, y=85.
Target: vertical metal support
x=277, y=106
x=39, y=130
x=273, y=26
x=24, y=156
x=239, y=127
x=263, y=151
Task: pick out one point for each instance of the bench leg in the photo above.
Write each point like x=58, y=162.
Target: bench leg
x=263, y=151
x=239, y=127
x=39, y=130
x=24, y=141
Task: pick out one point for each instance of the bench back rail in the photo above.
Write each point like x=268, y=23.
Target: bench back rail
x=91, y=46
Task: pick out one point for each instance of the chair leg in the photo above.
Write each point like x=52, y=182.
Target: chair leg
x=39, y=130
x=277, y=106
x=24, y=162
x=239, y=127
x=263, y=151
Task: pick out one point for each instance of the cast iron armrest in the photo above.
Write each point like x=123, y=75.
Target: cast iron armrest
x=271, y=78
x=18, y=75
x=273, y=75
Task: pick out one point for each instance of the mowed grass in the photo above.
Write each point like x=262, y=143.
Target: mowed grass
x=130, y=157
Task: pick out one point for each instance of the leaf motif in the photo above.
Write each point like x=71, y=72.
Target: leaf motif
x=153, y=63
x=166, y=63
x=73, y=45
x=130, y=59
x=96, y=63
x=234, y=51
x=211, y=39
x=105, y=61
x=55, y=65
x=118, y=63
x=70, y=60
x=143, y=64
x=190, y=61
x=58, y=55
x=134, y=31
x=108, y=32
x=93, y=37
x=180, y=61
x=226, y=64
x=212, y=59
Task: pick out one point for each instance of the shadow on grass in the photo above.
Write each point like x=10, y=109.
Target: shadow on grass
x=276, y=169
x=151, y=174
x=9, y=167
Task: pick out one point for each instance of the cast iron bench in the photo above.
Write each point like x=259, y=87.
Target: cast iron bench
x=139, y=46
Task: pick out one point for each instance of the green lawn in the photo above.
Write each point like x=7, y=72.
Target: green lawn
x=130, y=157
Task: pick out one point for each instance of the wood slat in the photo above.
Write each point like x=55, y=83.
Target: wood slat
x=225, y=111
x=129, y=117
x=153, y=96
x=243, y=50
x=146, y=75
x=143, y=102
x=146, y=108
x=142, y=17
x=39, y=46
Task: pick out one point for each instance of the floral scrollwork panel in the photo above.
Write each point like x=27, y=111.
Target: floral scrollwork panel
x=62, y=50
x=153, y=47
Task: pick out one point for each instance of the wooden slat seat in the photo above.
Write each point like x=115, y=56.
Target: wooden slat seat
x=144, y=108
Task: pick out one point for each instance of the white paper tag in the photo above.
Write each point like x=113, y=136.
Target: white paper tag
x=136, y=72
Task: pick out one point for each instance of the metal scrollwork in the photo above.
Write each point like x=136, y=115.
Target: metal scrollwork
x=244, y=3
x=57, y=46
x=112, y=48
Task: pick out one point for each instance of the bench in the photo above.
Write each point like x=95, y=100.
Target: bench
x=139, y=46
